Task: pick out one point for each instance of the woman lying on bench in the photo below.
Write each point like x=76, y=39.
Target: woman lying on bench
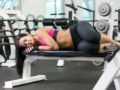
x=80, y=36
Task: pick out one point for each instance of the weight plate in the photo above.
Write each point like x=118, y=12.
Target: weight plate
x=97, y=63
x=104, y=9
x=102, y=26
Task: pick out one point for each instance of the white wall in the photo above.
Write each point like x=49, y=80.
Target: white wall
x=35, y=7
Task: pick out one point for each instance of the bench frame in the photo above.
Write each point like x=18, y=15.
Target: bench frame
x=110, y=74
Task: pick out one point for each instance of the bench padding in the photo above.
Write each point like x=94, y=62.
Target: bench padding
x=62, y=53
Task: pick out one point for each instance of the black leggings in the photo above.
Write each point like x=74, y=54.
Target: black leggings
x=85, y=37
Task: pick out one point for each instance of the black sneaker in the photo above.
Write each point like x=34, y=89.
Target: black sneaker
x=112, y=50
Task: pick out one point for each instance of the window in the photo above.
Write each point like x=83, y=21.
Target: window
x=54, y=6
x=10, y=4
x=90, y=4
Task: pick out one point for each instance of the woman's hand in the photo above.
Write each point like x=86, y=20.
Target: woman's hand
x=29, y=49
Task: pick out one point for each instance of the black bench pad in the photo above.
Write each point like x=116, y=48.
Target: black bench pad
x=62, y=53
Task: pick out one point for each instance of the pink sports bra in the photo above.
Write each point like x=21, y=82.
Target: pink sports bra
x=51, y=33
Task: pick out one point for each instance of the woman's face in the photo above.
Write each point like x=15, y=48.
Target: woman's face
x=26, y=41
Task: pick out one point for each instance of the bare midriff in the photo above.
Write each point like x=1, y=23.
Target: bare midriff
x=64, y=40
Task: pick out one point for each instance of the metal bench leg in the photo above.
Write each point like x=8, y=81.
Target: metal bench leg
x=117, y=83
x=26, y=77
x=109, y=74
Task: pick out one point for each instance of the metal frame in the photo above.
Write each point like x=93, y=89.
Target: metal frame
x=110, y=74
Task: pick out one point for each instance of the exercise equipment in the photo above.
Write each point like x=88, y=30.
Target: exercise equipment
x=59, y=24
x=116, y=31
x=111, y=72
x=51, y=22
x=12, y=30
x=50, y=55
x=89, y=10
x=72, y=5
x=104, y=9
x=39, y=25
x=1, y=40
x=2, y=52
x=97, y=63
x=102, y=26
x=30, y=24
x=74, y=8
x=5, y=49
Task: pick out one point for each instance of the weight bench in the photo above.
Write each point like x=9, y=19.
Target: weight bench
x=111, y=72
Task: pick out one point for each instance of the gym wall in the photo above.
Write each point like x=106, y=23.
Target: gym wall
x=35, y=7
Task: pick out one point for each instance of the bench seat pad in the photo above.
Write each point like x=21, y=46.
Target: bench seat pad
x=63, y=53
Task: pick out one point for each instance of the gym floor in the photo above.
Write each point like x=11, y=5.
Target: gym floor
x=73, y=76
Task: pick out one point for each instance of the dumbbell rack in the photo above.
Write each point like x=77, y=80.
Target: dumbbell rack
x=5, y=43
x=1, y=41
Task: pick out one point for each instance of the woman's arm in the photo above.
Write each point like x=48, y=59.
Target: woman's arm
x=50, y=42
